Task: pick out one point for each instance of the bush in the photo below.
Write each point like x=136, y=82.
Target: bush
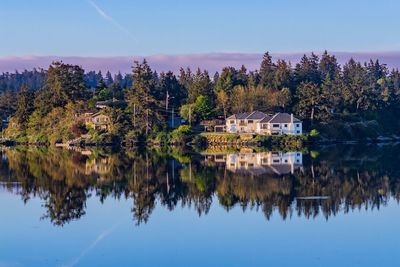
x=314, y=133
x=181, y=135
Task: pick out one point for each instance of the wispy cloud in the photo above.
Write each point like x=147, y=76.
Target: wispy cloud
x=108, y=18
x=99, y=238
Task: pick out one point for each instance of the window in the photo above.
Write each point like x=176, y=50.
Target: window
x=297, y=125
x=275, y=125
x=275, y=161
x=298, y=132
x=250, y=121
x=285, y=160
x=232, y=122
x=285, y=125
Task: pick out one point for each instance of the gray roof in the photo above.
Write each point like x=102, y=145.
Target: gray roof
x=283, y=118
x=255, y=115
x=258, y=115
x=267, y=118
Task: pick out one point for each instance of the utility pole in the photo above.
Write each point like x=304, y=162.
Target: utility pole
x=166, y=101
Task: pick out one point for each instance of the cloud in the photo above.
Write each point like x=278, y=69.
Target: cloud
x=108, y=18
x=211, y=61
x=99, y=238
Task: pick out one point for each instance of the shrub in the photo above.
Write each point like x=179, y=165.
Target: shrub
x=181, y=134
x=314, y=133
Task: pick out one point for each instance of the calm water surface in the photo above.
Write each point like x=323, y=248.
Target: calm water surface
x=332, y=206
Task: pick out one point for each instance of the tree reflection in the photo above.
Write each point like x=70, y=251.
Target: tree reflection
x=320, y=184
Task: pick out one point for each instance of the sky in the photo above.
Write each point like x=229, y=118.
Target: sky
x=123, y=28
x=109, y=35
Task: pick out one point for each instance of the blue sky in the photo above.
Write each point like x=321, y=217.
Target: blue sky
x=111, y=28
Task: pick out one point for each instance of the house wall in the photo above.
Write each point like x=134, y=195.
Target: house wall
x=243, y=126
x=245, y=161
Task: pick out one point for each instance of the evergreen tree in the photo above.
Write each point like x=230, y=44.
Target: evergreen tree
x=64, y=83
x=307, y=70
x=108, y=79
x=144, y=108
x=201, y=85
x=328, y=66
x=267, y=71
x=24, y=106
x=283, y=75
x=226, y=81
x=310, y=101
x=170, y=85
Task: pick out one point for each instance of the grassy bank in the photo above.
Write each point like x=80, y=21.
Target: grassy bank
x=236, y=140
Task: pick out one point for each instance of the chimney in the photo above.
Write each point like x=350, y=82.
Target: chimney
x=291, y=117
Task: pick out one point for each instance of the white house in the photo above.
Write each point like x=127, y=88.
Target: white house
x=259, y=163
x=261, y=123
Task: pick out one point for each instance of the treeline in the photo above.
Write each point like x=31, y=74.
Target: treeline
x=317, y=89
x=12, y=83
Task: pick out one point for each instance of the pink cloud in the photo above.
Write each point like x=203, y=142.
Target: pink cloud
x=212, y=61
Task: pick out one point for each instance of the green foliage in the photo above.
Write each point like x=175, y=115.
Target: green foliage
x=314, y=133
x=314, y=154
x=64, y=84
x=142, y=103
x=181, y=135
x=198, y=111
x=357, y=101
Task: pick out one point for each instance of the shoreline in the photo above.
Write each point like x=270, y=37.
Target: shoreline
x=232, y=141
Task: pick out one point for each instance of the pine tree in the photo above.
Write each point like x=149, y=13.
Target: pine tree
x=144, y=108
x=24, y=106
x=267, y=71
x=109, y=79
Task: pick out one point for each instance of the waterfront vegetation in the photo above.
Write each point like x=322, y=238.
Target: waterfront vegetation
x=350, y=102
x=328, y=181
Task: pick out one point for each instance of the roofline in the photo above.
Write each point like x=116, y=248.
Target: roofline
x=273, y=117
x=250, y=114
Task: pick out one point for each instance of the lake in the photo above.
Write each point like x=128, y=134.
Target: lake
x=327, y=206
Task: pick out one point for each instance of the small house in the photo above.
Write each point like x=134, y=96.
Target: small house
x=97, y=121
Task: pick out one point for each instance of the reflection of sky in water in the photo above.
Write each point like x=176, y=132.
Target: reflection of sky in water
x=321, y=211
x=106, y=236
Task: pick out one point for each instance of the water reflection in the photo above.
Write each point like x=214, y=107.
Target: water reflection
x=259, y=163
x=313, y=184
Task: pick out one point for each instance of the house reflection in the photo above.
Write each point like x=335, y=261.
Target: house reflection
x=99, y=166
x=258, y=163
